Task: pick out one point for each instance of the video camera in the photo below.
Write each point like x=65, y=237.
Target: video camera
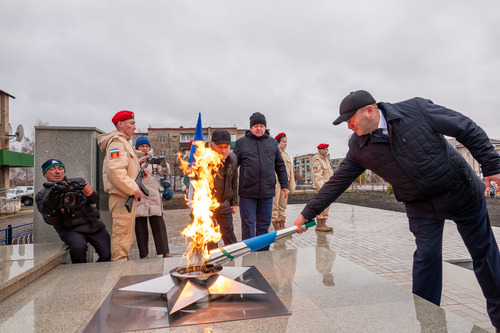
x=71, y=195
x=138, y=180
x=156, y=160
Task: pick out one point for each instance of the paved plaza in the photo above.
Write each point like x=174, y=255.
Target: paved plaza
x=354, y=279
x=378, y=240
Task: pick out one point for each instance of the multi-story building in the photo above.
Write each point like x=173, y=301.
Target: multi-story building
x=170, y=141
x=468, y=156
x=303, y=168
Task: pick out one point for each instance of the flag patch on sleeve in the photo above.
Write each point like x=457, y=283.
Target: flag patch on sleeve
x=114, y=153
x=315, y=167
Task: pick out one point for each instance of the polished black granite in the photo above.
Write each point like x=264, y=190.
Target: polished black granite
x=127, y=311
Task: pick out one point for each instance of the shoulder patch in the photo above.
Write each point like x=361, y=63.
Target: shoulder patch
x=315, y=167
x=114, y=153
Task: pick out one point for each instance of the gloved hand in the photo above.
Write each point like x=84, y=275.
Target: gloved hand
x=60, y=187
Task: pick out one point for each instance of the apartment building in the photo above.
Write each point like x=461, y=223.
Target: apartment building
x=303, y=168
x=468, y=156
x=170, y=141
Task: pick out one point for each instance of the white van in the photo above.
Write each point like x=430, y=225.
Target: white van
x=26, y=190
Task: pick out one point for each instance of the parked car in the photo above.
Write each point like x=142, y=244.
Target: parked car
x=27, y=199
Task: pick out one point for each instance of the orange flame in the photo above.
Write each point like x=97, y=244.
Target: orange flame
x=202, y=230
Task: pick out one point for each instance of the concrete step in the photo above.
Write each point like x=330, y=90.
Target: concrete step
x=22, y=264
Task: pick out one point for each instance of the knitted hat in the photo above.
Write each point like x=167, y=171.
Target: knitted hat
x=352, y=103
x=122, y=115
x=142, y=140
x=220, y=136
x=323, y=145
x=257, y=118
x=50, y=163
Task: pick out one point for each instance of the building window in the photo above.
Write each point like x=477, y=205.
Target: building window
x=189, y=137
x=162, y=153
x=174, y=137
x=186, y=137
x=233, y=136
x=161, y=139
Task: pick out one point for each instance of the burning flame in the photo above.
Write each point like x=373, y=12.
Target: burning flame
x=201, y=231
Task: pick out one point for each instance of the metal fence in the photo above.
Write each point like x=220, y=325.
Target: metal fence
x=22, y=238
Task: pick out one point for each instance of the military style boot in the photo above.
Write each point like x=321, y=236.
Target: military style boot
x=276, y=225
x=281, y=224
x=320, y=225
x=327, y=227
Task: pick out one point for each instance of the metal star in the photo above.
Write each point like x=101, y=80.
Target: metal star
x=193, y=290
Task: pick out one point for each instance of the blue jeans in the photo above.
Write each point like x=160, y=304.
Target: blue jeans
x=475, y=229
x=255, y=216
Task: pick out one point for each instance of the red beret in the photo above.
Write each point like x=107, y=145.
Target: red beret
x=323, y=145
x=279, y=135
x=122, y=115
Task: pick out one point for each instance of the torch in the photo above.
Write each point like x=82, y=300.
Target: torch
x=228, y=253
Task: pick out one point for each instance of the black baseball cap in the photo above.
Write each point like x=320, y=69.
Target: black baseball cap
x=220, y=136
x=352, y=103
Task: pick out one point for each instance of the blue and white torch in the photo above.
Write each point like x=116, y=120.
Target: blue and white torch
x=228, y=253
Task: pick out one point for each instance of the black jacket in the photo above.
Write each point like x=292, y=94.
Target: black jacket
x=84, y=219
x=427, y=173
x=259, y=158
x=225, y=184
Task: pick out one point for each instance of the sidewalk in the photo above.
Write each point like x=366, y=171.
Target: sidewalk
x=377, y=240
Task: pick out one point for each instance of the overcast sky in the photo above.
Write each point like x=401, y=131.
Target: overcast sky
x=76, y=63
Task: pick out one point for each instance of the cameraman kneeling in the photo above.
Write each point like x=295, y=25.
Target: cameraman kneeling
x=67, y=205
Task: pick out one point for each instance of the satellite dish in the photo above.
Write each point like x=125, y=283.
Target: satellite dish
x=19, y=133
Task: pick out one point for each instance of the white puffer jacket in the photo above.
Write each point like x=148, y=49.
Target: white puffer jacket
x=151, y=205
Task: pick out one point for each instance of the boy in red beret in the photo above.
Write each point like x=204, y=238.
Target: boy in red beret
x=120, y=169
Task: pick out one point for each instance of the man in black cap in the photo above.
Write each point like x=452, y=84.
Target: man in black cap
x=260, y=162
x=68, y=205
x=225, y=185
x=404, y=143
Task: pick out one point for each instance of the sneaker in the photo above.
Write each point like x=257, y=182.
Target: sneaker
x=167, y=255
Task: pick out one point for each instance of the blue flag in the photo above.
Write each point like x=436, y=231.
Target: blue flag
x=198, y=136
